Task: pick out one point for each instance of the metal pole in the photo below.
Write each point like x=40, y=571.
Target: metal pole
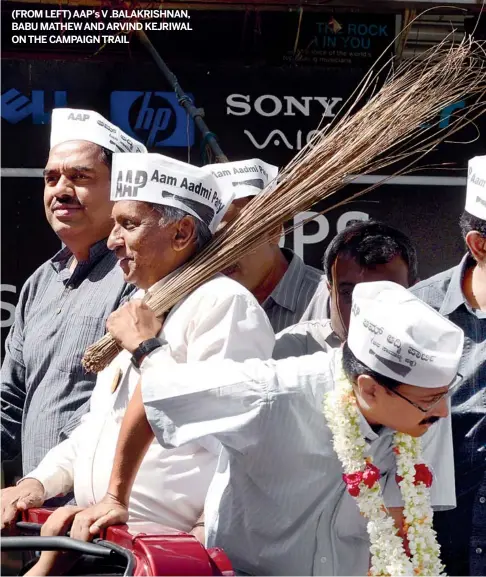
x=195, y=113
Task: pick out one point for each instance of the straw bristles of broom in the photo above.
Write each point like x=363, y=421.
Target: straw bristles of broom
x=387, y=129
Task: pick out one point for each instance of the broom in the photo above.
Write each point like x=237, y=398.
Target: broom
x=389, y=128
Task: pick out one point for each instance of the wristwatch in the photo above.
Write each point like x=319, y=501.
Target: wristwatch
x=144, y=348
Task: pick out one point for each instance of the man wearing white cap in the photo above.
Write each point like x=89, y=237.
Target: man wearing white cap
x=64, y=305
x=460, y=295
x=288, y=290
x=310, y=442
x=165, y=211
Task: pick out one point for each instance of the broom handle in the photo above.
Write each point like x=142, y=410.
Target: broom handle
x=195, y=113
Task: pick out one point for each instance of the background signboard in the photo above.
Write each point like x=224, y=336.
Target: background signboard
x=260, y=97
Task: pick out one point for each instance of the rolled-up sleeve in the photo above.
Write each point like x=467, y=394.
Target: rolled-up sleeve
x=224, y=398
x=190, y=402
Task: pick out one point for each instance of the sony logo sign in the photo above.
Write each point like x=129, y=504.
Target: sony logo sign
x=271, y=105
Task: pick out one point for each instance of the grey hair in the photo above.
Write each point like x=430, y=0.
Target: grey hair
x=169, y=214
x=106, y=156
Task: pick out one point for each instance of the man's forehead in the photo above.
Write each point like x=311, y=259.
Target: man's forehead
x=348, y=270
x=132, y=208
x=75, y=152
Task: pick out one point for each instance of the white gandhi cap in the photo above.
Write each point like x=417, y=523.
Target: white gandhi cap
x=397, y=335
x=163, y=180
x=74, y=124
x=476, y=187
x=243, y=178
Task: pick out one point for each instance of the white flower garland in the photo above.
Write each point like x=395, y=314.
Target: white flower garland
x=388, y=556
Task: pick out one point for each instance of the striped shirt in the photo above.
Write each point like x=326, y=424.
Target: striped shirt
x=444, y=293
x=301, y=295
x=44, y=389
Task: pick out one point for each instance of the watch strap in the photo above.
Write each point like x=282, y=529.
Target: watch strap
x=144, y=348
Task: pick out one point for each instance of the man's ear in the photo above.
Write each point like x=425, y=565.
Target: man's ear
x=275, y=234
x=477, y=245
x=184, y=233
x=368, y=390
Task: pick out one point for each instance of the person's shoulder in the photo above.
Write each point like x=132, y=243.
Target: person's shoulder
x=222, y=288
x=309, y=375
x=45, y=269
x=37, y=280
x=436, y=279
x=310, y=272
x=433, y=289
x=306, y=327
x=314, y=273
x=304, y=338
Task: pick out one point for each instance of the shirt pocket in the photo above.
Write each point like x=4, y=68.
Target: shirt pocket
x=81, y=332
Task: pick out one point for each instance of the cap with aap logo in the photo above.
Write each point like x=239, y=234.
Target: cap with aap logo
x=75, y=124
x=162, y=180
x=397, y=335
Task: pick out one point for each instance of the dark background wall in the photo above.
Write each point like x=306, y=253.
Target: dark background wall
x=259, y=97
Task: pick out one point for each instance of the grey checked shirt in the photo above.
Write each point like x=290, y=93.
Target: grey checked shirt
x=301, y=295
x=44, y=389
x=444, y=293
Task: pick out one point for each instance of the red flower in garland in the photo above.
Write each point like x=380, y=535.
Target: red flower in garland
x=422, y=475
x=354, y=490
x=352, y=481
x=353, y=478
x=369, y=477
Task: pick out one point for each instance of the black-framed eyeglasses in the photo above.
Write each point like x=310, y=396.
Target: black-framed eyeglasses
x=452, y=389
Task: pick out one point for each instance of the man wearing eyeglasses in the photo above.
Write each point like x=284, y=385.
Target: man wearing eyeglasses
x=278, y=504
x=460, y=295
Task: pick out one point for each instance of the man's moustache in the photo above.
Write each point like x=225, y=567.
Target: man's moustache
x=429, y=421
x=64, y=200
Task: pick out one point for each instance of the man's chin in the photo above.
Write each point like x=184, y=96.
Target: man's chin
x=68, y=231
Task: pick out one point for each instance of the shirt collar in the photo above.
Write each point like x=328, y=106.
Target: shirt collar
x=368, y=433
x=96, y=252
x=293, y=277
x=454, y=296
x=366, y=429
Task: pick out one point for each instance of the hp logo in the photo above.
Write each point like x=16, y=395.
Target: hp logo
x=155, y=118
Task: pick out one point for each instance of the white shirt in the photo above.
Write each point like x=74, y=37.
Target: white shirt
x=221, y=319
x=278, y=504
